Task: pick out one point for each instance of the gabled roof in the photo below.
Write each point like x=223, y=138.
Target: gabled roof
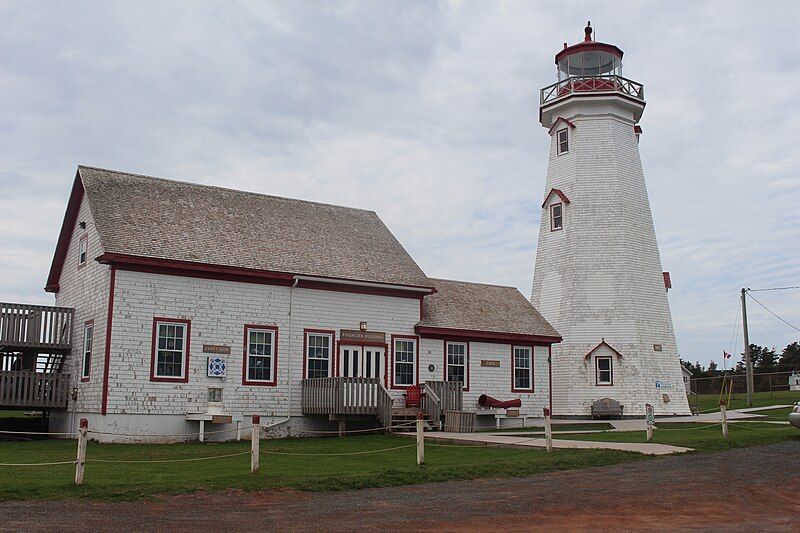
x=145, y=217
x=477, y=310
x=558, y=121
x=602, y=343
x=551, y=193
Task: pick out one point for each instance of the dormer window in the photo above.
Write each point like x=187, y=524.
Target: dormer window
x=562, y=140
x=556, y=216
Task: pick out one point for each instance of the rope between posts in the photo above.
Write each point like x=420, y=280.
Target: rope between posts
x=736, y=424
x=659, y=428
x=335, y=432
x=248, y=452
x=169, y=434
x=39, y=464
x=269, y=452
x=33, y=433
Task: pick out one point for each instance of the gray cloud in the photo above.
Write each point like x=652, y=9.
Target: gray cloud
x=425, y=112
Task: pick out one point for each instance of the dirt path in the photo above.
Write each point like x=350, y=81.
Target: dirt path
x=740, y=490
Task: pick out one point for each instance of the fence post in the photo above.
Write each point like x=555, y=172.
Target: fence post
x=723, y=412
x=548, y=430
x=649, y=414
x=254, y=444
x=770, y=385
x=420, y=439
x=81, y=460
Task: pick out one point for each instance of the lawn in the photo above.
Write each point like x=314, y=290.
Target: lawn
x=701, y=437
x=781, y=414
x=710, y=402
x=107, y=481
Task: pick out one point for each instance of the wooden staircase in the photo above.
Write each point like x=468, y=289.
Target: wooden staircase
x=404, y=419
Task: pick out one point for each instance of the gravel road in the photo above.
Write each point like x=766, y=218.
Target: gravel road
x=739, y=490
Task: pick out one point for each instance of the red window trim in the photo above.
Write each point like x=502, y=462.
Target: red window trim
x=88, y=376
x=153, y=354
x=392, y=384
x=83, y=238
x=513, y=368
x=332, y=346
x=257, y=383
x=552, y=217
x=466, y=360
x=597, y=370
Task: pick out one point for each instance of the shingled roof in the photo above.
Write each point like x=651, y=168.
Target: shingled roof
x=478, y=307
x=151, y=217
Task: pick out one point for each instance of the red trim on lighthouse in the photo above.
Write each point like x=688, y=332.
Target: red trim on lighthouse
x=107, y=355
x=558, y=121
x=560, y=195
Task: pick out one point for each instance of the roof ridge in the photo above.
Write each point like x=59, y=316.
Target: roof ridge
x=220, y=187
x=474, y=283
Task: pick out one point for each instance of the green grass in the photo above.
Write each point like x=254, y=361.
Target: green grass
x=701, y=438
x=104, y=481
x=706, y=402
x=781, y=414
x=20, y=414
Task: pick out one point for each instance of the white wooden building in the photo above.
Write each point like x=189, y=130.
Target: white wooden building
x=598, y=277
x=202, y=303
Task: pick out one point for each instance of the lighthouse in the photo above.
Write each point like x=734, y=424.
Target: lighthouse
x=598, y=277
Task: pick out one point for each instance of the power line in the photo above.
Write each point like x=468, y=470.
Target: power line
x=776, y=288
x=773, y=313
x=734, y=337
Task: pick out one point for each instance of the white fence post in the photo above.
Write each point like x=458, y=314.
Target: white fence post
x=723, y=411
x=548, y=430
x=254, y=444
x=650, y=417
x=420, y=441
x=81, y=460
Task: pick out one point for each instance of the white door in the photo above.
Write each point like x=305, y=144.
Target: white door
x=361, y=361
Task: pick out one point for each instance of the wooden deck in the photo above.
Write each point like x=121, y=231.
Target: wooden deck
x=34, y=390
x=35, y=327
x=341, y=396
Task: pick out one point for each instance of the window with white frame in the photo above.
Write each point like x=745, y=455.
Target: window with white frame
x=88, y=333
x=171, y=350
x=260, y=363
x=556, y=216
x=405, y=364
x=318, y=355
x=562, y=139
x=604, y=371
x=457, y=362
x=83, y=250
x=523, y=368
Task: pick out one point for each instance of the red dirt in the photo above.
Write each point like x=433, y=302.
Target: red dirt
x=740, y=490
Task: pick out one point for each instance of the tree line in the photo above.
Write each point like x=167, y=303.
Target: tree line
x=764, y=360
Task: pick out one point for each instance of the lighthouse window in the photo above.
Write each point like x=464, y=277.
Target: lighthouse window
x=556, y=217
x=563, y=141
x=604, y=372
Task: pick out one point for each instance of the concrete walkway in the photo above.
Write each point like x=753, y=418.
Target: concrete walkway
x=511, y=440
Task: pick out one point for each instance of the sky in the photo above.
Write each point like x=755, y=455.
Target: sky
x=427, y=113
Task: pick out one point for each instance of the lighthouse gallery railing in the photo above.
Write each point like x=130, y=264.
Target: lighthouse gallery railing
x=585, y=84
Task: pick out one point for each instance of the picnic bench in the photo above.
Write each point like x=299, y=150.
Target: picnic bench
x=606, y=407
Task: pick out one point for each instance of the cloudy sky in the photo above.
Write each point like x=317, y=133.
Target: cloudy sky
x=425, y=112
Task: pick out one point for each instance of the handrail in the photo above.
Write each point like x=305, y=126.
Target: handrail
x=583, y=84
x=432, y=405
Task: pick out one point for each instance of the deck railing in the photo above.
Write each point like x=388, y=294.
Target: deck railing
x=584, y=84
x=34, y=390
x=450, y=393
x=35, y=326
x=432, y=405
x=346, y=396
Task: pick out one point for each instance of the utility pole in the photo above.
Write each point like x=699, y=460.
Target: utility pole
x=747, y=360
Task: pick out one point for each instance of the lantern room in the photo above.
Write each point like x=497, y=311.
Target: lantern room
x=589, y=58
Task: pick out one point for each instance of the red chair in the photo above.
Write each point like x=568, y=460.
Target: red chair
x=413, y=396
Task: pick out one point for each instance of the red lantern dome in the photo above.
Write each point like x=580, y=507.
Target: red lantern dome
x=589, y=58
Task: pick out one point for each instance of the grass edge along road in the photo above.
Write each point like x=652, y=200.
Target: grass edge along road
x=710, y=402
x=325, y=472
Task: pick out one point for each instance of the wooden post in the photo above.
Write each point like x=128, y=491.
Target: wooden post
x=548, y=430
x=649, y=414
x=341, y=428
x=649, y=432
x=201, y=435
x=420, y=441
x=238, y=430
x=254, y=444
x=81, y=460
x=723, y=411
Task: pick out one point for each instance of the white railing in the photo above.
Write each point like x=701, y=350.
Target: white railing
x=585, y=84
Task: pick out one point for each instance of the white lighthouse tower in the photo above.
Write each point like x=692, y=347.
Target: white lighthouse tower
x=598, y=278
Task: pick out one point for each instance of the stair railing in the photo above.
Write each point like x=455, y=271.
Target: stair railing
x=384, y=403
x=432, y=406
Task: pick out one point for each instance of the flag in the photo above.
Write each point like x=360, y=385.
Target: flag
x=726, y=355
